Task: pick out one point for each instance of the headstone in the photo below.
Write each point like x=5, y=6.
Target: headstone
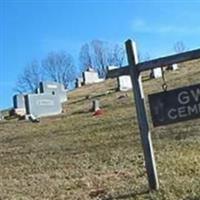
x=175, y=66
x=157, y=72
x=90, y=77
x=124, y=83
x=41, y=105
x=53, y=88
x=95, y=105
x=19, y=104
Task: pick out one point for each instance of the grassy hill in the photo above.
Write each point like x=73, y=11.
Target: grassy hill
x=76, y=156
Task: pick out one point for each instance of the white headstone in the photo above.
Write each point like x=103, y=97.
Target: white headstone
x=124, y=83
x=90, y=77
x=157, y=72
x=175, y=66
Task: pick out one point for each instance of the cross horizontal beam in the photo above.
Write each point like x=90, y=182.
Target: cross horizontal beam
x=168, y=60
x=158, y=62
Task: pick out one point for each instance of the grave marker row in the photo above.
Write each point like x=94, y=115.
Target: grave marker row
x=157, y=72
x=124, y=81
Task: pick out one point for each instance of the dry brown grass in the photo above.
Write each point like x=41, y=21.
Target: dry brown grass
x=77, y=156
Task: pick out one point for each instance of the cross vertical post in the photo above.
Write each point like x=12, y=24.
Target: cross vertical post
x=141, y=115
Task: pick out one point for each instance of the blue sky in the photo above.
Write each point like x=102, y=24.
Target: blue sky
x=31, y=29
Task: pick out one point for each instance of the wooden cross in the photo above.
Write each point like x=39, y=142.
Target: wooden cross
x=133, y=69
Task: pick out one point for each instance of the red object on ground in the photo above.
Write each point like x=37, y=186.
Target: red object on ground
x=98, y=112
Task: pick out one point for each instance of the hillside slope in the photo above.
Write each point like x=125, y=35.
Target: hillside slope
x=78, y=156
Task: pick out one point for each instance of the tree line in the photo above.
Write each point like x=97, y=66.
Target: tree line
x=60, y=66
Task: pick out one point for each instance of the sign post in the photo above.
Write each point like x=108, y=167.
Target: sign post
x=141, y=115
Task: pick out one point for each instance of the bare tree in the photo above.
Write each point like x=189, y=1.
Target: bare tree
x=85, y=57
x=29, y=80
x=179, y=47
x=59, y=67
x=99, y=57
x=99, y=54
x=116, y=55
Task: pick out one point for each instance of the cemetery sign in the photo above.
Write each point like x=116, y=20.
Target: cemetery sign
x=175, y=105
x=186, y=97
